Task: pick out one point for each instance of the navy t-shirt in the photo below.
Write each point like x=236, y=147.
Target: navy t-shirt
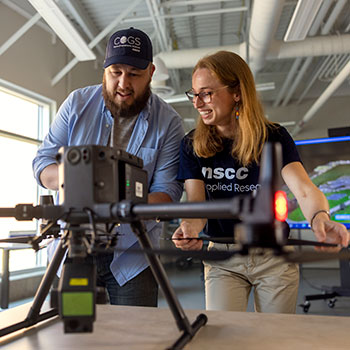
x=225, y=177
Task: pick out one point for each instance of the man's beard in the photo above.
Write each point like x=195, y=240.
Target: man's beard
x=122, y=109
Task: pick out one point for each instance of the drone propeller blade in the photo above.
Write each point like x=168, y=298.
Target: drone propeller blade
x=302, y=242
x=313, y=256
x=226, y=240
x=229, y=240
x=19, y=239
x=198, y=254
x=30, y=240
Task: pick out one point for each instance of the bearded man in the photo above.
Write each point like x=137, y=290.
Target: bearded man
x=123, y=113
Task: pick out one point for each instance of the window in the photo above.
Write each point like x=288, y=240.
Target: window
x=24, y=121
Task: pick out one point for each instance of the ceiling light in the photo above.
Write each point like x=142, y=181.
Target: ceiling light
x=64, y=29
x=302, y=19
x=265, y=86
x=286, y=124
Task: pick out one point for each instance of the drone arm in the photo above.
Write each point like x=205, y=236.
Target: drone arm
x=27, y=212
x=7, y=212
x=22, y=212
x=165, y=211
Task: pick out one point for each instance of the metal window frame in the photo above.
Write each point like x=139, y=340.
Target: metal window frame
x=40, y=100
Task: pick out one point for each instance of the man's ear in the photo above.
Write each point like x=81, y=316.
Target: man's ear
x=153, y=68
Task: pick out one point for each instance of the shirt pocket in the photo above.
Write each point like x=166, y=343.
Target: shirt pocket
x=149, y=157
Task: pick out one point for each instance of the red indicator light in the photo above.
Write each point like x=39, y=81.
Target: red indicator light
x=281, y=206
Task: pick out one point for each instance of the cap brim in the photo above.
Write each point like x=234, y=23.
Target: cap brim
x=131, y=61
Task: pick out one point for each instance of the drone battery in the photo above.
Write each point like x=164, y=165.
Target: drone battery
x=134, y=186
x=132, y=178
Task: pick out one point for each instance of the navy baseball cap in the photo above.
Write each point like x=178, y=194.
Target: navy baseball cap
x=129, y=46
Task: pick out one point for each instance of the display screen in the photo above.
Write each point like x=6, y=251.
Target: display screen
x=327, y=161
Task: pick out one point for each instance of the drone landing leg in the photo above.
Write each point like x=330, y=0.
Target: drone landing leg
x=34, y=315
x=161, y=277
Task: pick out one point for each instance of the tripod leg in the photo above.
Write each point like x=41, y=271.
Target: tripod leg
x=34, y=315
x=46, y=282
x=163, y=281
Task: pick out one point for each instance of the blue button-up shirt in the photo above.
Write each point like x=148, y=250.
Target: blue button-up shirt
x=84, y=119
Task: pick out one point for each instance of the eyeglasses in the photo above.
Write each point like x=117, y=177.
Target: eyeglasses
x=204, y=96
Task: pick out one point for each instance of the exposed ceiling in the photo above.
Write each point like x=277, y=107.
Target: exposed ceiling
x=182, y=31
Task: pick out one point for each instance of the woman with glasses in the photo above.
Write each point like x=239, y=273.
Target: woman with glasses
x=220, y=159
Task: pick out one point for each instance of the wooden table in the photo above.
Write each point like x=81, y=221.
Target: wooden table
x=140, y=328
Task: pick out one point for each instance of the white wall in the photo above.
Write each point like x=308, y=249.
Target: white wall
x=333, y=114
x=33, y=60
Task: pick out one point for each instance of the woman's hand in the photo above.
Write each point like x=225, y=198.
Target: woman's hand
x=329, y=231
x=183, y=237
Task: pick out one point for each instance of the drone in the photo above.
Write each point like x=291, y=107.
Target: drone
x=101, y=185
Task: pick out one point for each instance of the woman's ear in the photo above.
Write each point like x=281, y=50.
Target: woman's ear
x=236, y=97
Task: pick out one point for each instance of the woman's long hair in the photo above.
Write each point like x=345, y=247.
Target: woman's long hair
x=251, y=128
